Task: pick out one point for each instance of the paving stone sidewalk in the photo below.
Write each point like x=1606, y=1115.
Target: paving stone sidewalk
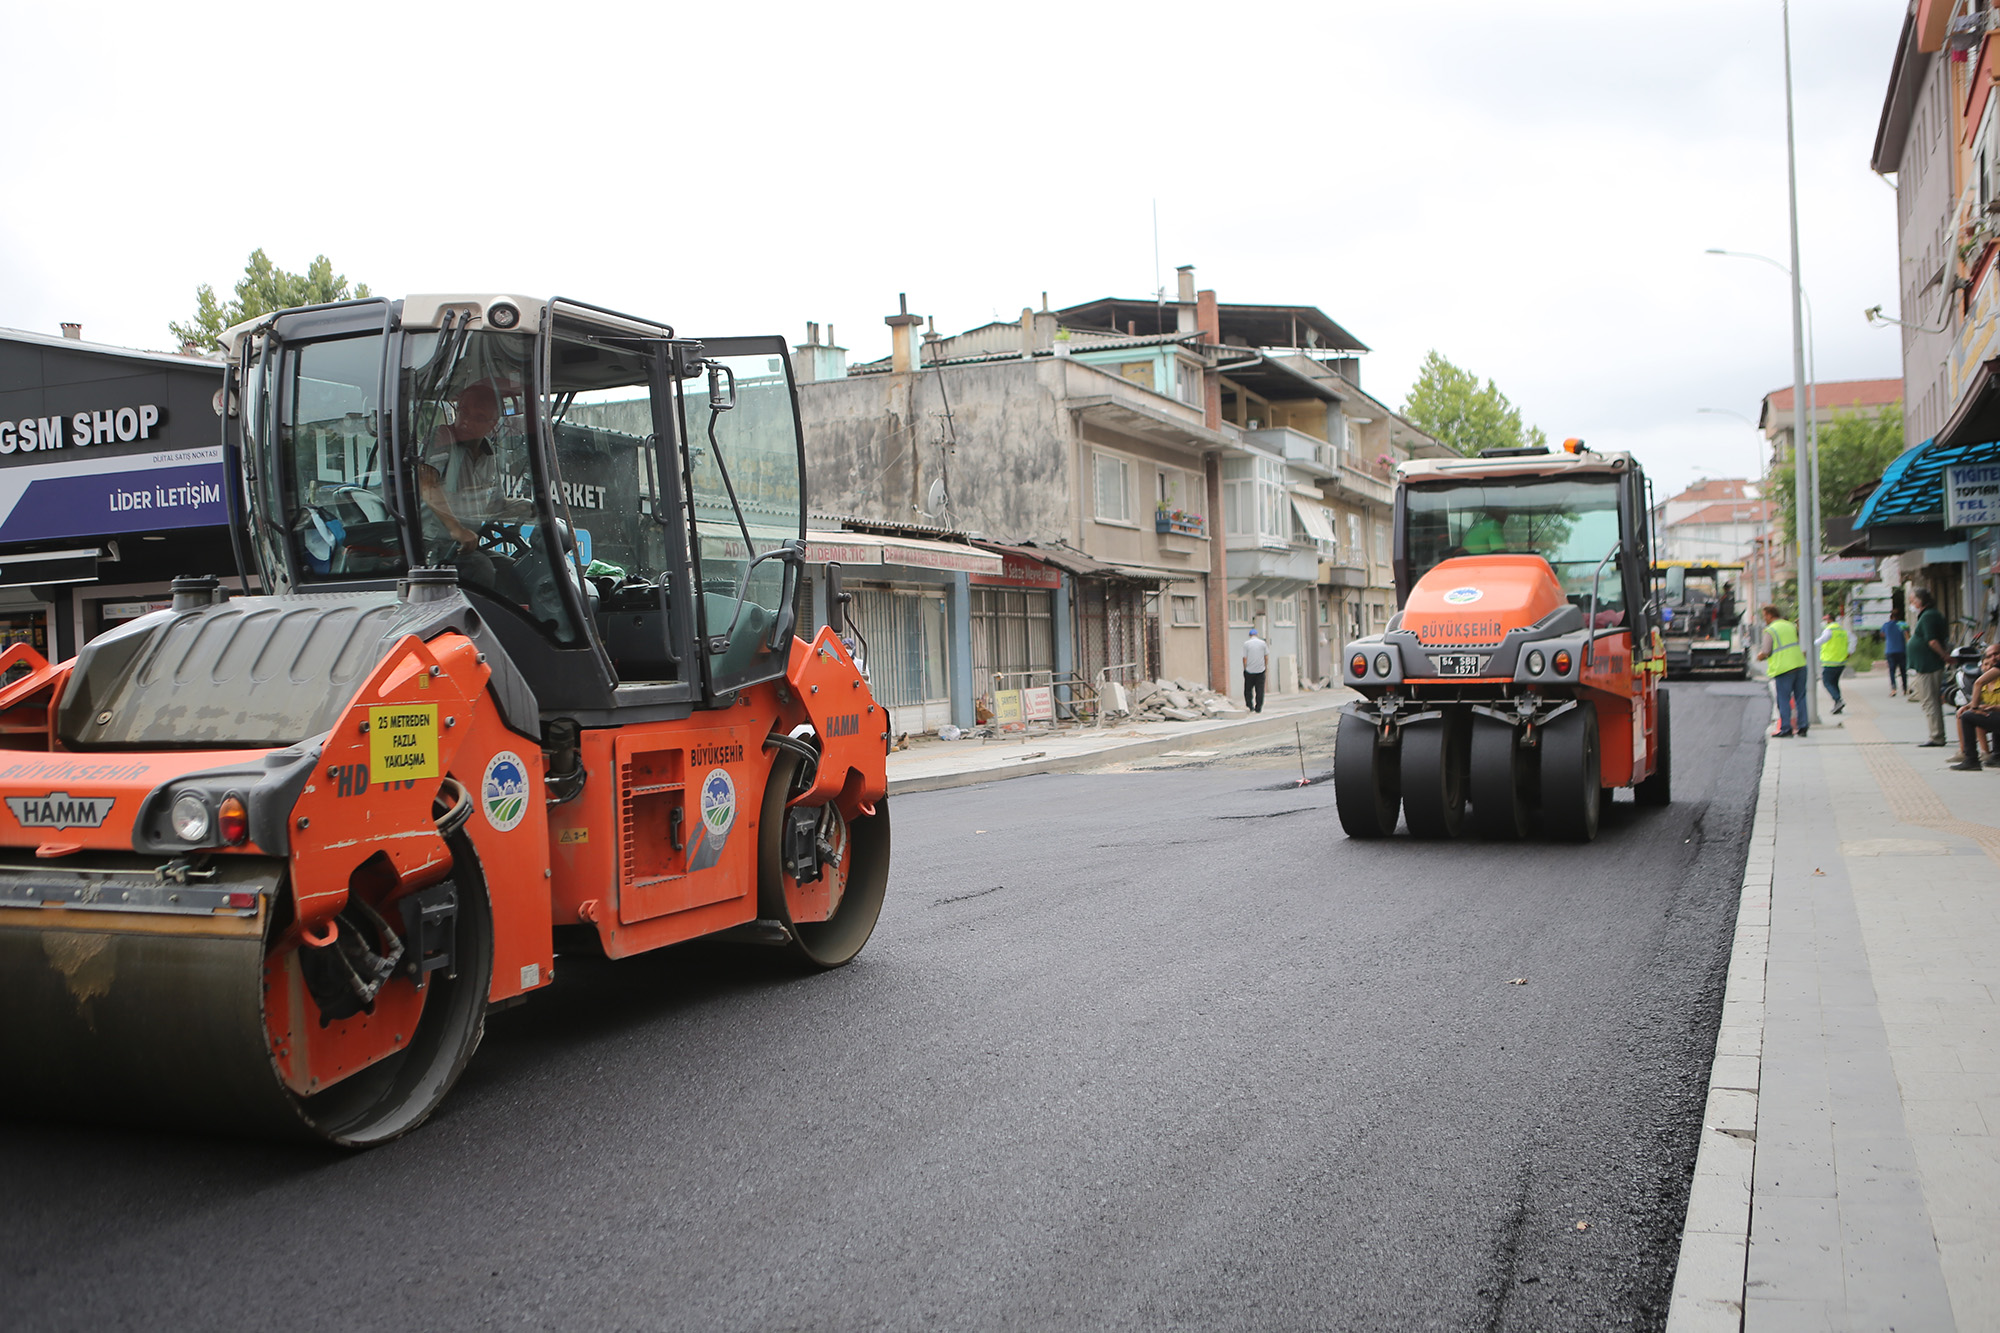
x=1850, y=1167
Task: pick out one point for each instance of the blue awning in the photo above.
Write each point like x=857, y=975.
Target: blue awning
x=1912, y=487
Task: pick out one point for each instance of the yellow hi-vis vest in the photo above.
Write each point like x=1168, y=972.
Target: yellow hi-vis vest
x=1786, y=655
x=1834, y=651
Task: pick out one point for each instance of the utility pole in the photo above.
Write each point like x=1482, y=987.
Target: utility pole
x=1806, y=513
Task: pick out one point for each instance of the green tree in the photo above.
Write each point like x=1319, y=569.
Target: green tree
x=264, y=287
x=1449, y=404
x=1854, y=447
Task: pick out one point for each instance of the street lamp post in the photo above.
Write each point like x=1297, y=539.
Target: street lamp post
x=1807, y=491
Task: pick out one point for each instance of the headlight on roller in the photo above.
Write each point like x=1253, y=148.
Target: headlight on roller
x=1536, y=662
x=190, y=818
x=1381, y=664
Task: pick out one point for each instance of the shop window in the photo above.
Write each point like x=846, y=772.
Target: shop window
x=1114, y=488
x=1186, y=609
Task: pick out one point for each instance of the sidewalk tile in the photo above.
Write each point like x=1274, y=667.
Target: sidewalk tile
x=1762, y=1314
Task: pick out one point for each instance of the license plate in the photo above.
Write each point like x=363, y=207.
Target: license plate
x=1459, y=664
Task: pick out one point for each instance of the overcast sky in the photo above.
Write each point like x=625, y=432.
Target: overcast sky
x=1526, y=187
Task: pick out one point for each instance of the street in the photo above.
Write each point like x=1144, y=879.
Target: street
x=1130, y=1049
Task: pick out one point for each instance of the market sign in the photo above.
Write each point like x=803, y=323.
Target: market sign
x=1972, y=495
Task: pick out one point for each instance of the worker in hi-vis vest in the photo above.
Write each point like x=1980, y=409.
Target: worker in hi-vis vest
x=1785, y=663
x=1832, y=643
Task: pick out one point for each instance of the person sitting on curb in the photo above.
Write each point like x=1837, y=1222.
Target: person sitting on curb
x=1982, y=714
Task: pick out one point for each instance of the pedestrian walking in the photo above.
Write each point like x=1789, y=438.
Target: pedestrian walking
x=1928, y=656
x=1981, y=713
x=1832, y=643
x=1256, y=657
x=1785, y=663
x=1895, y=635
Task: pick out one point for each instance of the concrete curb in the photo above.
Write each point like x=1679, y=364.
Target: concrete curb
x=1709, y=1283
x=1245, y=729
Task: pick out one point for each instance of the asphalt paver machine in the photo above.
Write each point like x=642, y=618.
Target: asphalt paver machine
x=521, y=676
x=1518, y=683
x=1701, y=618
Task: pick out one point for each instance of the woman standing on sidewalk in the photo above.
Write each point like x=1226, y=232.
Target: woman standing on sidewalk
x=1785, y=663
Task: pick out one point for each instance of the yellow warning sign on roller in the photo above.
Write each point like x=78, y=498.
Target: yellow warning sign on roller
x=403, y=742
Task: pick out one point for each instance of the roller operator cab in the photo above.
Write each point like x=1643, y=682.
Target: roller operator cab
x=1518, y=683
x=520, y=676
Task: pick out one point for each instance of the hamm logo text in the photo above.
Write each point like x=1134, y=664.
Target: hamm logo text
x=60, y=810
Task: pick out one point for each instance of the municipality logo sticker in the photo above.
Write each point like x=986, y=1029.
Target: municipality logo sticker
x=503, y=795
x=1460, y=596
x=718, y=803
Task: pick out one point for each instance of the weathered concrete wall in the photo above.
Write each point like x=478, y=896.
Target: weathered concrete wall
x=874, y=445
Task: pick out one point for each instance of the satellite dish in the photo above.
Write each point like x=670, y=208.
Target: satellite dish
x=936, y=502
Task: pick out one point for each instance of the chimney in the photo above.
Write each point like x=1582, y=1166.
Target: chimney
x=1184, y=321
x=1027, y=333
x=74, y=331
x=813, y=360
x=902, y=354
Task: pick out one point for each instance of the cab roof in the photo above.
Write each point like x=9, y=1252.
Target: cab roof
x=1420, y=471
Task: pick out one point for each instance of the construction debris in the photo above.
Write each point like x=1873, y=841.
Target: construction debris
x=1175, y=701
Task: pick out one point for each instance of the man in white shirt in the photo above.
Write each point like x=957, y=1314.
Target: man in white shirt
x=1256, y=657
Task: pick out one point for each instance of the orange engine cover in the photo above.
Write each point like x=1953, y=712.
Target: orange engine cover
x=1476, y=599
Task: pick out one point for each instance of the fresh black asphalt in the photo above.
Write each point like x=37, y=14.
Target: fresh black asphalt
x=1131, y=1050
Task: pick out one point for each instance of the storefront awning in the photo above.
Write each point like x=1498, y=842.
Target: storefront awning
x=866, y=548
x=1315, y=519
x=1906, y=510
x=1086, y=567
x=73, y=566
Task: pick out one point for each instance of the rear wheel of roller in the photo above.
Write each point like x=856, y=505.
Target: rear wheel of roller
x=1501, y=775
x=399, y=1091
x=1367, y=786
x=852, y=886
x=1434, y=769
x=1571, y=797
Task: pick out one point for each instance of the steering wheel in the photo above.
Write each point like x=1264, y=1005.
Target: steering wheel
x=505, y=538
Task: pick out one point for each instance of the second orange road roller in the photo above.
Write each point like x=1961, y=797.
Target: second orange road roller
x=1518, y=684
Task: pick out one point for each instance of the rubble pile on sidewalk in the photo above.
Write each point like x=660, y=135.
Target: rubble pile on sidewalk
x=1174, y=701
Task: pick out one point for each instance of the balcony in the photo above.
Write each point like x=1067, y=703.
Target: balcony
x=1179, y=523
x=1302, y=451
x=1297, y=448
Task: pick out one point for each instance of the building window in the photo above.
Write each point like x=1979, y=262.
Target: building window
x=1187, y=609
x=1254, y=502
x=1325, y=611
x=1239, y=610
x=1284, y=611
x=1114, y=489
x=1381, y=541
x=1188, y=375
